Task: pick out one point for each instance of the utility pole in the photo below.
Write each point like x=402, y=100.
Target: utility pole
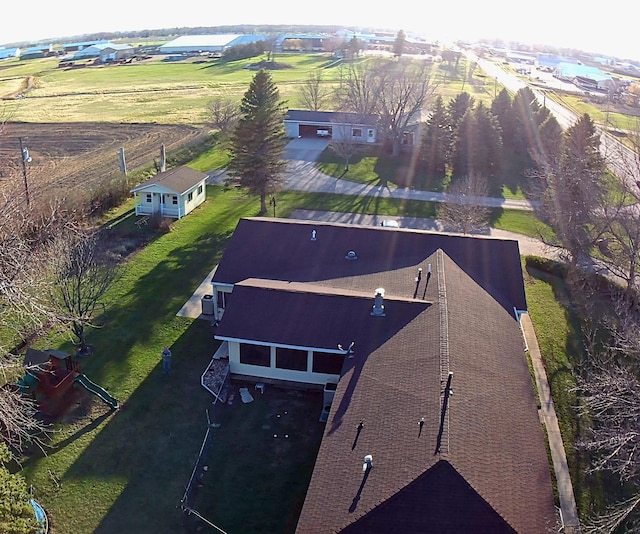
x=24, y=153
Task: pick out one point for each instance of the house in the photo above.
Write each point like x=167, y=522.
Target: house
x=414, y=337
x=172, y=193
x=341, y=126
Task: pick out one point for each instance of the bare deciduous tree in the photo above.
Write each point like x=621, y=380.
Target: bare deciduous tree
x=405, y=90
x=23, y=314
x=609, y=391
x=223, y=114
x=343, y=141
x=81, y=274
x=359, y=91
x=618, y=250
x=463, y=211
x=313, y=93
x=396, y=91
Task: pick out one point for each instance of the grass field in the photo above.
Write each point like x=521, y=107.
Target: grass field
x=147, y=91
x=177, y=91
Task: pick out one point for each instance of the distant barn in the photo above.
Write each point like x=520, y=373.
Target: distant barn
x=218, y=43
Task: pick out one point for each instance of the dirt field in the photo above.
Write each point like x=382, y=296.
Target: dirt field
x=80, y=155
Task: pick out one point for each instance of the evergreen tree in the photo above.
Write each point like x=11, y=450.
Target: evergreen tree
x=435, y=141
x=575, y=194
x=456, y=110
x=487, y=142
x=399, y=44
x=458, y=106
x=528, y=115
x=16, y=514
x=462, y=147
x=501, y=108
x=478, y=145
x=258, y=141
x=550, y=147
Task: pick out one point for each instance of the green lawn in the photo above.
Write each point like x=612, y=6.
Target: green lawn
x=126, y=471
x=149, y=91
x=559, y=336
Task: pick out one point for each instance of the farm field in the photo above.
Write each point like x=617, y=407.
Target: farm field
x=147, y=91
x=84, y=154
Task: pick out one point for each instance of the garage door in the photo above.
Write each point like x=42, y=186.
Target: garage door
x=308, y=130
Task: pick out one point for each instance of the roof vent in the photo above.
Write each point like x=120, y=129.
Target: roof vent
x=313, y=235
x=368, y=463
x=351, y=255
x=378, y=303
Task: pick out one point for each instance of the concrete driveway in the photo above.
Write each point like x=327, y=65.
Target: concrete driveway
x=305, y=149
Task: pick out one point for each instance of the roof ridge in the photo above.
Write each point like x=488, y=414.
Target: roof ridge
x=445, y=377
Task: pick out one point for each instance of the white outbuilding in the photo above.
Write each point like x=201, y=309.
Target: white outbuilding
x=173, y=193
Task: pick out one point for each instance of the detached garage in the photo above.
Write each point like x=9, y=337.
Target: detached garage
x=337, y=125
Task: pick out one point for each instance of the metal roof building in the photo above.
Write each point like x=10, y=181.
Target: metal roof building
x=186, y=44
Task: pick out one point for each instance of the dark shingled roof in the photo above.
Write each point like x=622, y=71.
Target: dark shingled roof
x=478, y=463
x=282, y=249
x=179, y=180
x=330, y=117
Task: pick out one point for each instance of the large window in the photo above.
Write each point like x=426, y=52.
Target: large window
x=255, y=355
x=356, y=132
x=293, y=359
x=331, y=364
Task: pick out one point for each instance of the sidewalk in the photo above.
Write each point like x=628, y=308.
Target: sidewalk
x=303, y=175
x=568, y=507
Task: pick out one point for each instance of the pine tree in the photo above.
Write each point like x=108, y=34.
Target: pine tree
x=435, y=142
x=399, y=43
x=258, y=141
x=575, y=193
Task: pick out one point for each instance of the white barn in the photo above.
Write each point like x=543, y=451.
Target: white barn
x=189, y=44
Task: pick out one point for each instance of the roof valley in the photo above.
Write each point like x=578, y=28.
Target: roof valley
x=442, y=447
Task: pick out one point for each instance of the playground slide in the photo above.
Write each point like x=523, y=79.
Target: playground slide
x=97, y=390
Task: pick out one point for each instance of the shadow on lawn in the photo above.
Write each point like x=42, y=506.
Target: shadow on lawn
x=269, y=448
x=151, y=442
